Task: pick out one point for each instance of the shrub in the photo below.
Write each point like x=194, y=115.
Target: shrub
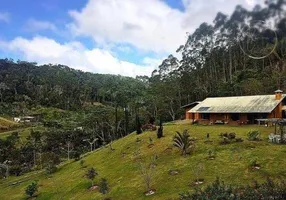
x=147, y=171
x=253, y=135
x=103, y=186
x=225, y=140
x=183, y=142
x=76, y=155
x=253, y=164
x=211, y=154
x=90, y=174
x=149, y=127
x=50, y=160
x=16, y=170
x=150, y=140
x=81, y=162
x=238, y=139
x=228, y=138
x=197, y=170
x=31, y=189
x=231, y=136
x=218, y=190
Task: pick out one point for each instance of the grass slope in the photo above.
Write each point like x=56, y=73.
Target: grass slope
x=126, y=182
x=24, y=132
x=7, y=123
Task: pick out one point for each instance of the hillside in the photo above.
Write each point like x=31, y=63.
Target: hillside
x=5, y=124
x=120, y=167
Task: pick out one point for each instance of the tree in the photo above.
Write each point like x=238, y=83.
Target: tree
x=3, y=87
x=138, y=125
x=160, y=130
x=90, y=174
x=103, y=186
x=31, y=189
x=147, y=172
x=183, y=142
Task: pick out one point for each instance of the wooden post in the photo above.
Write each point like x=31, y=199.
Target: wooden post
x=275, y=127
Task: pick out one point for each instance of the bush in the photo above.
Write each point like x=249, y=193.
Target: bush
x=211, y=154
x=90, y=174
x=16, y=170
x=76, y=155
x=224, y=140
x=253, y=135
x=231, y=136
x=218, y=190
x=50, y=162
x=149, y=127
x=81, y=162
x=31, y=189
x=228, y=138
x=103, y=186
x=253, y=164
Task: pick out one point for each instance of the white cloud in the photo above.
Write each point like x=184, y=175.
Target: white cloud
x=119, y=26
x=150, y=25
x=4, y=17
x=44, y=50
x=36, y=25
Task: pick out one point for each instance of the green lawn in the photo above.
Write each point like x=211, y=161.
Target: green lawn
x=126, y=182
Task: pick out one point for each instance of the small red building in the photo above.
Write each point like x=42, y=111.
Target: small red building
x=189, y=107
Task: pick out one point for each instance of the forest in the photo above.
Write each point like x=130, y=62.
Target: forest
x=216, y=60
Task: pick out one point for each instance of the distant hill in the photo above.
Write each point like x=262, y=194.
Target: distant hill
x=62, y=87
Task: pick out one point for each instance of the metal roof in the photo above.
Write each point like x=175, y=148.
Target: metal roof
x=190, y=104
x=238, y=104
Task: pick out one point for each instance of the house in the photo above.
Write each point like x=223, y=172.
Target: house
x=239, y=109
x=189, y=107
x=28, y=119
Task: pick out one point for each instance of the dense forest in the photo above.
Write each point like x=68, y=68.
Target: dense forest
x=216, y=60
x=221, y=59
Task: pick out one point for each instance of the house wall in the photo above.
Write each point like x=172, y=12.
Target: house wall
x=225, y=117
x=277, y=112
x=188, y=115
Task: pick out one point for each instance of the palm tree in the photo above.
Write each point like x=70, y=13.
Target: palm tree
x=183, y=142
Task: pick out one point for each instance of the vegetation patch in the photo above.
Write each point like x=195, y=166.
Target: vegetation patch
x=174, y=172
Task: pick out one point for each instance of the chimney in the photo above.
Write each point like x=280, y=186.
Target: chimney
x=278, y=94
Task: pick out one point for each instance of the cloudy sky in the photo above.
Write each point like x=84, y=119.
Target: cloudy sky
x=127, y=37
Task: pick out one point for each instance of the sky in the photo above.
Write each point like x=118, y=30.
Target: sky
x=126, y=37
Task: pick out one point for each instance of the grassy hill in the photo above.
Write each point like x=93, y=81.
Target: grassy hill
x=24, y=131
x=7, y=123
x=120, y=167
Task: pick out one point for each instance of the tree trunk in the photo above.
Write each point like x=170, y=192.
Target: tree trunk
x=230, y=66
